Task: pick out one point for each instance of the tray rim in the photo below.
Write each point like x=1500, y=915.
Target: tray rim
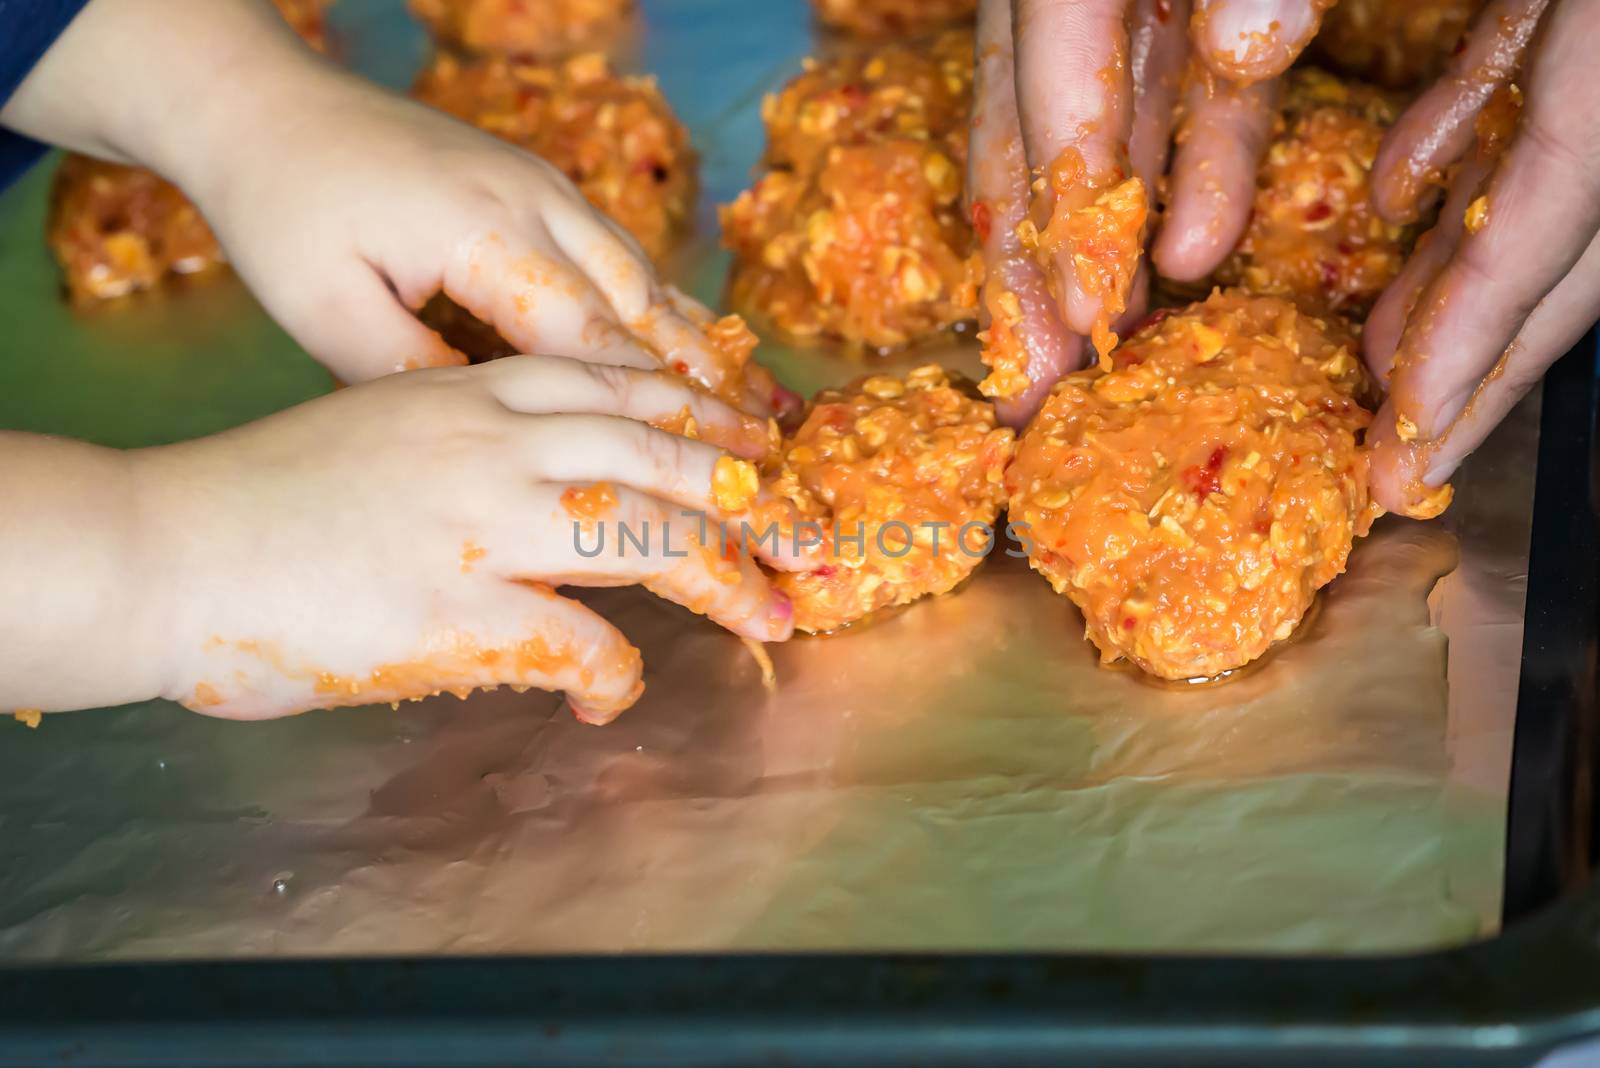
x=1553, y=817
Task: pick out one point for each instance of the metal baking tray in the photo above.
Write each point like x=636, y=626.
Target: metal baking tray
x=1031, y=836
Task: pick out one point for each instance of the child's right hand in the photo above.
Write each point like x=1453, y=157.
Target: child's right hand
x=402, y=538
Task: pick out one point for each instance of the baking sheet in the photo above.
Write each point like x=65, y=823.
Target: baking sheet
x=960, y=776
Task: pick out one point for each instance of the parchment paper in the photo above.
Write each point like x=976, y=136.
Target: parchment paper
x=962, y=775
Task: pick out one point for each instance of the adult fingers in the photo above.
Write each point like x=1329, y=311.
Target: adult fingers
x=1074, y=88
x=1221, y=140
x=1437, y=128
x=1158, y=48
x=1075, y=104
x=1042, y=346
x=1138, y=310
x=1403, y=474
x=1038, y=348
x=1554, y=327
x=1538, y=217
x=1381, y=333
x=1248, y=41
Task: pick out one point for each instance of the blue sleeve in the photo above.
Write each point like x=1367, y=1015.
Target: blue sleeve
x=27, y=30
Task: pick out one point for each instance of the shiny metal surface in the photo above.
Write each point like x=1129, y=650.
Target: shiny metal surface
x=961, y=775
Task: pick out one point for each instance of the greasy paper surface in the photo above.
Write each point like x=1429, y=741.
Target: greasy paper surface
x=961, y=775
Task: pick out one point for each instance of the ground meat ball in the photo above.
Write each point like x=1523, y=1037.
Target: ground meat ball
x=884, y=458
x=1193, y=500
x=873, y=249
x=535, y=28
x=885, y=18
x=857, y=231
x=1399, y=45
x=614, y=136
x=1313, y=234
x=116, y=230
x=869, y=94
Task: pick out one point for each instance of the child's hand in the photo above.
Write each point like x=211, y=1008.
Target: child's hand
x=403, y=537
x=346, y=208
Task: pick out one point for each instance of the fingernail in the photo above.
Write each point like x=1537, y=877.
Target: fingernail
x=1449, y=412
x=593, y=717
x=780, y=616
x=757, y=439
x=785, y=401
x=584, y=714
x=1439, y=474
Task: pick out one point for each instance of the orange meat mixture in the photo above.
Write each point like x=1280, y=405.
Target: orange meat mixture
x=1313, y=234
x=614, y=136
x=1096, y=227
x=906, y=464
x=1400, y=45
x=1192, y=500
x=742, y=382
x=540, y=28
x=117, y=230
x=883, y=18
x=856, y=231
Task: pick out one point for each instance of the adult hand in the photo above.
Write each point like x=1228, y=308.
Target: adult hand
x=1510, y=277
x=1105, y=77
